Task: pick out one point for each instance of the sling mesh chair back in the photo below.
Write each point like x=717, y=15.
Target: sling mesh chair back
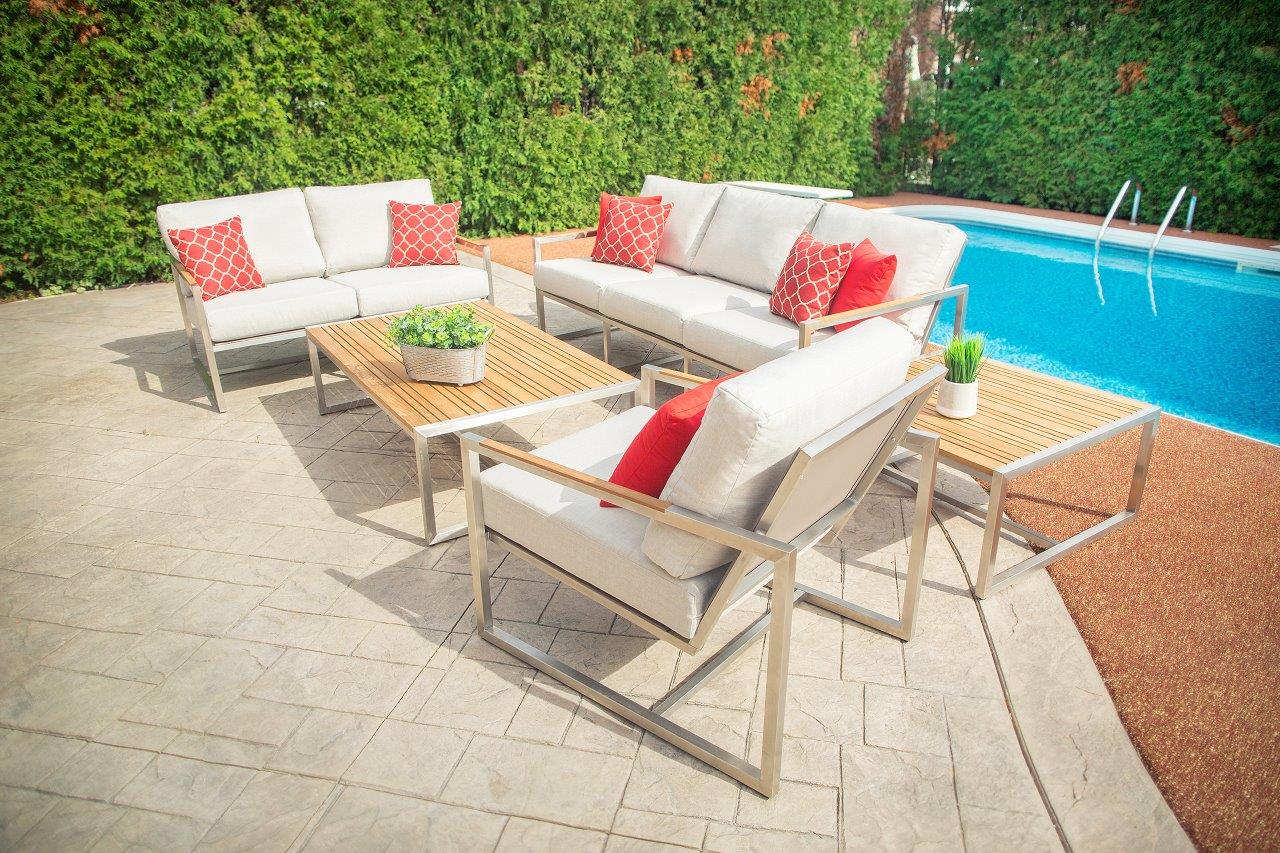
x=779, y=464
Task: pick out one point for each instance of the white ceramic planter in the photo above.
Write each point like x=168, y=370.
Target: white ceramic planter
x=958, y=399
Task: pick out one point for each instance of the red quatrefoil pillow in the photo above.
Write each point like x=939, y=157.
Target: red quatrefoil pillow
x=217, y=257
x=424, y=234
x=630, y=234
x=809, y=278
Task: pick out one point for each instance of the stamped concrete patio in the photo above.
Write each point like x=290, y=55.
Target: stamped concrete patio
x=225, y=631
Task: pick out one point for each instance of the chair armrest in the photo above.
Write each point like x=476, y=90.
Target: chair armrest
x=652, y=374
x=539, y=242
x=656, y=509
x=958, y=292
x=186, y=281
x=472, y=246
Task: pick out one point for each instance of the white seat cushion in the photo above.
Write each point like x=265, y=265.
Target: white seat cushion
x=744, y=337
x=661, y=306
x=600, y=546
x=582, y=280
x=750, y=235
x=276, y=227
x=692, y=205
x=280, y=307
x=383, y=290
x=755, y=424
x=352, y=223
x=927, y=251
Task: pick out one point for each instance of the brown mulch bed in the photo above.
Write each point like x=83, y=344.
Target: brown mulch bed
x=1180, y=608
x=1181, y=611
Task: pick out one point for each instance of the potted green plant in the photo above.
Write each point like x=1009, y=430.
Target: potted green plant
x=958, y=394
x=441, y=344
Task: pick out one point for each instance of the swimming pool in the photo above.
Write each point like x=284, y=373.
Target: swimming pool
x=1200, y=341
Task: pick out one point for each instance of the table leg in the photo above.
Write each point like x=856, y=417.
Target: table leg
x=430, y=529
x=313, y=355
x=991, y=534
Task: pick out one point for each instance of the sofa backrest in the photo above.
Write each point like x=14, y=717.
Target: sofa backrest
x=927, y=251
x=750, y=235
x=277, y=229
x=755, y=424
x=692, y=206
x=353, y=224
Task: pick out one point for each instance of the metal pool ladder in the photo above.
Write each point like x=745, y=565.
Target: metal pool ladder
x=1164, y=225
x=1133, y=220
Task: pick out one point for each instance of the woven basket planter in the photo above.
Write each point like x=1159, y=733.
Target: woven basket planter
x=452, y=366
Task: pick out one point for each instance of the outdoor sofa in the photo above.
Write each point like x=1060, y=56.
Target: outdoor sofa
x=323, y=253
x=719, y=257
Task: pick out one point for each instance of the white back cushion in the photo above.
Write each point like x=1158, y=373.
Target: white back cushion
x=750, y=235
x=276, y=227
x=927, y=251
x=691, y=208
x=353, y=224
x=755, y=424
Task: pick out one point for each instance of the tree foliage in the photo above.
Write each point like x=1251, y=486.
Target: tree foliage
x=1056, y=103
x=525, y=111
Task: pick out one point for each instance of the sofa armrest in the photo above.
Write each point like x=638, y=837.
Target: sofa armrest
x=186, y=281
x=958, y=292
x=539, y=242
x=663, y=512
x=486, y=255
x=652, y=374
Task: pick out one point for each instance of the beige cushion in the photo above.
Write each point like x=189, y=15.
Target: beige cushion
x=744, y=338
x=661, y=306
x=692, y=205
x=927, y=251
x=277, y=229
x=755, y=424
x=600, y=546
x=352, y=223
x=751, y=234
x=582, y=280
x=280, y=307
x=383, y=290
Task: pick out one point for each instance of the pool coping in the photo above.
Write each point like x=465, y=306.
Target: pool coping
x=1250, y=257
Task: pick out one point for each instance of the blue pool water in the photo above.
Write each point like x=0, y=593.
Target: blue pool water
x=1208, y=350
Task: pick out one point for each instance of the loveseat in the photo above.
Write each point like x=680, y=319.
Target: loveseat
x=323, y=254
x=719, y=257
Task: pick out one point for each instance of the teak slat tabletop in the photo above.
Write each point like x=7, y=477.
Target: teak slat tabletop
x=523, y=365
x=1020, y=412
x=526, y=371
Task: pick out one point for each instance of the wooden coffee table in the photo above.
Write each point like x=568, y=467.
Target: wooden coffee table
x=1027, y=420
x=526, y=371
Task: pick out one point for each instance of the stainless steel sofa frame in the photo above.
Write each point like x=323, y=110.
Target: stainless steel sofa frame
x=805, y=330
x=806, y=509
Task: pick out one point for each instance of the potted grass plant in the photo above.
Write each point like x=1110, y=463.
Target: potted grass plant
x=441, y=344
x=958, y=394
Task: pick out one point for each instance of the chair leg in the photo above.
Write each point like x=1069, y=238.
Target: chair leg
x=541, y=302
x=208, y=367
x=781, y=605
x=607, y=329
x=186, y=323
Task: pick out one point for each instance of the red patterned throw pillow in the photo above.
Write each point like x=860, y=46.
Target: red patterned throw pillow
x=809, y=278
x=218, y=257
x=630, y=234
x=653, y=454
x=424, y=234
x=606, y=201
x=866, y=283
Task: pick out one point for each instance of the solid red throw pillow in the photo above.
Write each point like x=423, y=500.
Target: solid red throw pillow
x=218, y=257
x=424, y=234
x=630, y=234
x=809, y=278
x=865, y=284
x=606, y=199
x=647, y=463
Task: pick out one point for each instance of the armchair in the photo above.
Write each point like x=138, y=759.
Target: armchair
x=544, y=507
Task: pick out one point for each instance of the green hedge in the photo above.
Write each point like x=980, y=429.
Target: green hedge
x=1056, y=103
x=525, y=111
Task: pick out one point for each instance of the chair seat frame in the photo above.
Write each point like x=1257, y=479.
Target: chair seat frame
x=764, y=561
